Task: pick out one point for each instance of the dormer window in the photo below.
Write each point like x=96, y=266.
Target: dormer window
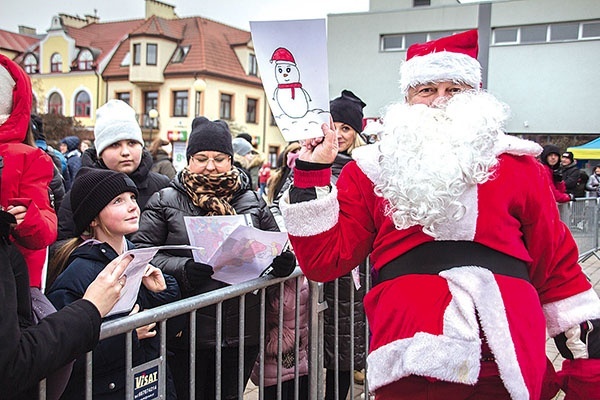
x=85, y=60
x=252, y=65
x=180, y=54
x=56, y=63
x=137, y=53
x=31, y=64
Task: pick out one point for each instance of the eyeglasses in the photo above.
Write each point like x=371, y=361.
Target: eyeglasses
x=218, y=161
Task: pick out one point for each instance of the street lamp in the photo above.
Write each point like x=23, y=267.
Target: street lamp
x=199, y=86
x=153, y=114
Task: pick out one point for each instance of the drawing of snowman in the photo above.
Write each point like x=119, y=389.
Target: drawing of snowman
x=289, y=94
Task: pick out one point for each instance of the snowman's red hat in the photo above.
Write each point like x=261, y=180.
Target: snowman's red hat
x=452, y=58
x=282, y=54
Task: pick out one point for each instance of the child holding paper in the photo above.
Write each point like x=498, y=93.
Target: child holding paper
x=104, y=211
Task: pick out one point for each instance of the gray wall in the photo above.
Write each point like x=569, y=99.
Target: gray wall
x=549, y=85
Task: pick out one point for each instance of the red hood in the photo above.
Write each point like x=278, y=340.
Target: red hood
x=16, y=126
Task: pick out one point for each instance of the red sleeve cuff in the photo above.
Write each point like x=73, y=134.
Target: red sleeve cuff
x=314, y=178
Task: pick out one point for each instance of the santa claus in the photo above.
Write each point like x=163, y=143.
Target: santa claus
x=472, y=264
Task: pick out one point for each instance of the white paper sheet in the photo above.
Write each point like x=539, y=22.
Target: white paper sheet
x=236, y=252
x=292, y=59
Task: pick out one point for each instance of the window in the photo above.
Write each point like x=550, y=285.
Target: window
x=137, y=54
x=392, y=42
x=150, y=102
x=180, y=54
x=56, y=63
x=226, y=103
x=568, y=31
x=534, y=33
x=412, y=38
x=251, y=110
x=55, y=104
x=252, y=65
x=85, y=60
x=505, y=35
x=180, y=103
x=82, y=104
x=273, y=155
x=591, y=30
x=31, y=64
x=272, y=120
x=151, y=54
x=421, y=3
x=125, y=96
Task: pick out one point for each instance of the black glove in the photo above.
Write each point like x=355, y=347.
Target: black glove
x=283, y=265
x=197, y=273
x=557, y=175
x=581, y=341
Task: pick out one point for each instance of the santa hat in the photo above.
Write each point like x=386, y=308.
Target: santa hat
x=283, y=55
x=452, y=58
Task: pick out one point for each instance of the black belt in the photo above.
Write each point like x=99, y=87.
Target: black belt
x=431, y=258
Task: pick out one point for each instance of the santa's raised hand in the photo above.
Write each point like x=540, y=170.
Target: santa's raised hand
x=321, y=150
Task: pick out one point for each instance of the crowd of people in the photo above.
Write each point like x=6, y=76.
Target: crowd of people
x=470, y=266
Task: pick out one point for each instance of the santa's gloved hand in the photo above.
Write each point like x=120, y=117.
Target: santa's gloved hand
x=581, y=341
x=283, y=265
x=197, y=273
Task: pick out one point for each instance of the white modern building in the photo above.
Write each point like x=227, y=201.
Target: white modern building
x=543, y=56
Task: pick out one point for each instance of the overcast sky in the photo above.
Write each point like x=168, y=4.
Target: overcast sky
x=38, y=13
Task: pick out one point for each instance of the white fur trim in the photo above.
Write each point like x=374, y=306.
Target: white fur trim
x=442, y=357
x=367, y=158
x=478, y=285
x=439, y=67
x=463, y=229
x=310, y=218
x=516, y=146
x=564, y=314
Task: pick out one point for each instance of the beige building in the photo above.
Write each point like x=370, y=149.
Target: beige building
x=169, y=69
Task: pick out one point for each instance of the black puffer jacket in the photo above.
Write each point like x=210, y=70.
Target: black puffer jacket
x=147, y=182
x=345, y=287
x=162, y=223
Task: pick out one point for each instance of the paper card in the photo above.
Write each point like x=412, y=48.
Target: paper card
x=210, y=232
x=246, y=254
x=292, y=60
x=135, y=273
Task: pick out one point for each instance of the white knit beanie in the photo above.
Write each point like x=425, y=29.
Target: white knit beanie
x=115, y=121
x=7, y=84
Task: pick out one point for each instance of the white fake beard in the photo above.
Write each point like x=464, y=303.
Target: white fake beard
x=431, y=155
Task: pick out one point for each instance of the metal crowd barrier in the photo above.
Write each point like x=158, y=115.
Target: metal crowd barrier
x=580, y=216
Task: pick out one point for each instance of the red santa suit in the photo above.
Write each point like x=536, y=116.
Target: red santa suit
x=432, y=325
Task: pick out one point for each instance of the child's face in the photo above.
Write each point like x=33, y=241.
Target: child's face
x=121, y=216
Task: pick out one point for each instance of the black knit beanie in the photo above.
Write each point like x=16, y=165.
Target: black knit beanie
x=92, y=190
x=209, y=136
x=348, y=108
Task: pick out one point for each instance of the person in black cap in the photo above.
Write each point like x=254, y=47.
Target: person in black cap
x=104, y=211
x=574, y=181
x=209, y=185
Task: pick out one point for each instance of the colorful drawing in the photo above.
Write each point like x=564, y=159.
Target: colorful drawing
x=292, y=56
x=289, y=94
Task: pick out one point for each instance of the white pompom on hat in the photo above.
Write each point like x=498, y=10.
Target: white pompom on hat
x=451, y=58
x=115, y=121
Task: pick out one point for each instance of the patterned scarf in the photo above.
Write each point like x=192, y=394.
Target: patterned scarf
x=212, y=192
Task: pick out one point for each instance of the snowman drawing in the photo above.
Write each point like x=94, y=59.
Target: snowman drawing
x=289, y=94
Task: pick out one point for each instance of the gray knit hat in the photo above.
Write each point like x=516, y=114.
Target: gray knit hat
x=115, y=121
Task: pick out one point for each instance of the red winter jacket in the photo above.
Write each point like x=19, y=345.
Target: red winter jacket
x=25, y=178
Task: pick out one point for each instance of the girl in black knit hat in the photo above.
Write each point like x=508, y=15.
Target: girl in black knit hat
x=104, y=211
